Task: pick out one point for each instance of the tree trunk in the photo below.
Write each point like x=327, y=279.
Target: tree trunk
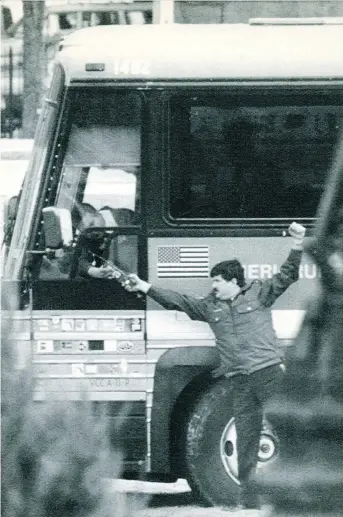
x=33, y=59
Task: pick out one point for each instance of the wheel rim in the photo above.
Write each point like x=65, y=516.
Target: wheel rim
x=268, y=451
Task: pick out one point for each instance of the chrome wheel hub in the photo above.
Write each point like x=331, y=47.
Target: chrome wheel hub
x=268, y=450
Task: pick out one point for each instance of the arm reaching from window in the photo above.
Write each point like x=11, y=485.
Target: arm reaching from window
x=99, y=272
x=91, y=264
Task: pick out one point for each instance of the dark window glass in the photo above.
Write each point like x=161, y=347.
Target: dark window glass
x=242, y=158
x=138, y=17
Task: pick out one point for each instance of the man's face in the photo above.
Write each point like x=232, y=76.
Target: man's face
x=224, y=289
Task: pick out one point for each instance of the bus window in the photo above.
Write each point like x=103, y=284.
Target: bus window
x=66, y=21
x=250, y=161
x=136, y=17
x=101, y=172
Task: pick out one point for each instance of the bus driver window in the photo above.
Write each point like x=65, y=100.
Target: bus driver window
x=101, y=167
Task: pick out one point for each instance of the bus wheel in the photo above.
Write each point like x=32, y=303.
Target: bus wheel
x=210, y=448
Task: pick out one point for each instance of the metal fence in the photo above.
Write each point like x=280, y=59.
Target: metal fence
x=11, y=92
x=12, y=85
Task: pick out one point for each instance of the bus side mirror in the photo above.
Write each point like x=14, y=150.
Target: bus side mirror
x=58, y=231
x=11, y=208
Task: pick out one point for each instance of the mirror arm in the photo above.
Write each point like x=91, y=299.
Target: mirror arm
x=38, y=252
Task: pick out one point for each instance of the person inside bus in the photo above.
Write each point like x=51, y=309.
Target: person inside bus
x=60, y=265
x=241, y=137
x=240, y=317
x=94, y=249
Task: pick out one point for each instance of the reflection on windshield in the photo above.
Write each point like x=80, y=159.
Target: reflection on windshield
x=111, y=187
x=97, y=145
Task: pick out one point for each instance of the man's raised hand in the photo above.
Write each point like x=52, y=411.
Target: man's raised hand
x=297, y=232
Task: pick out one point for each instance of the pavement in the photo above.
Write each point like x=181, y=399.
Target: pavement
x=151, y=499
x=133, y=486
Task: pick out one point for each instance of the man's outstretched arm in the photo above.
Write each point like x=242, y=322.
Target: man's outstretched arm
x=289, y=271
x=171, y=300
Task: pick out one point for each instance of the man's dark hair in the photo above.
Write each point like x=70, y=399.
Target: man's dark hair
x=229, y=269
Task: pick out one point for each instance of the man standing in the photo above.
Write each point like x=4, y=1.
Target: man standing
x=240, y=317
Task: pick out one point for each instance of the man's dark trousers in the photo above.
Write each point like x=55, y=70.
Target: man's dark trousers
x=250, y=395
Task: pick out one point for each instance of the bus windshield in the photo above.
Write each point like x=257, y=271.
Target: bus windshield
x=102, y=160
x=99, y=178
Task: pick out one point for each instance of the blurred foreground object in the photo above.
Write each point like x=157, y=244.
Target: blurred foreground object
x=55, y=455
x=309, y=413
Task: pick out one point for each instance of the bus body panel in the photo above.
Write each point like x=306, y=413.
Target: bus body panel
x=235, y=51
x=98, y=356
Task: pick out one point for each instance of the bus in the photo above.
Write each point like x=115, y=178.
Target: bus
x=200, y=143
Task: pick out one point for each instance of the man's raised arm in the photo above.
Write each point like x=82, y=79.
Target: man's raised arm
x=289, y=271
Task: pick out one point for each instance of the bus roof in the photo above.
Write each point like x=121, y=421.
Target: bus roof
x=204, y=52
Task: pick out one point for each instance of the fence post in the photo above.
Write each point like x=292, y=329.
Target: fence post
x=10, y=92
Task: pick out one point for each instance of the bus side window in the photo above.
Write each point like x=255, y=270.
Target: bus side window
x=250, y=161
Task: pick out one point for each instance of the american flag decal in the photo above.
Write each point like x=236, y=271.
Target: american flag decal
x=182, y=261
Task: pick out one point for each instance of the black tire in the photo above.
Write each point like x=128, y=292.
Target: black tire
x=207, y=475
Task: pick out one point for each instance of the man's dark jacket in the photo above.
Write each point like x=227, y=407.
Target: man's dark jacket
x=243, y=327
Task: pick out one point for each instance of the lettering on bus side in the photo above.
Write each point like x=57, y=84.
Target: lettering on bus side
x=263, y=271
x=117, y=383
x=100, y=384
x=109, y=383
